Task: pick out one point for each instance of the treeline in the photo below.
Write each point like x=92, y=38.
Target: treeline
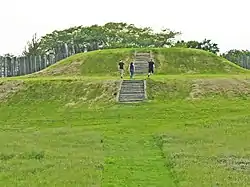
x=206, y=45
x=79, y=39
x=239, y=57
x=235, y=54
x=108, y=36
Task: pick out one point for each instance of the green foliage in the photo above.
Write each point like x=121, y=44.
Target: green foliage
x=108, y=36
x=51, y=136
x=206, y=45
x=237, y=56
x=191, y=61
x=181, y=43
x=235, y=53
x=8, y=55
x=32, y=47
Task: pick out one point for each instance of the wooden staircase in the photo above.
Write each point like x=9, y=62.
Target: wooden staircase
x=132, y=91
x=135, y=90
x=141, y=63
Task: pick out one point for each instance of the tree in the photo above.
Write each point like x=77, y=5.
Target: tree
x=237, y=56
x=181, y=43
x=165, y=37
x=194, y=44
x=206, y=45
x=8, y=55
x=32, y=47
x=235, y=53
x=109, y=35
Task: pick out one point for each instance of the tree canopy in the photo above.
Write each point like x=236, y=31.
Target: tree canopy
x=206, y=45
x=235, y=53
x=110, y=35
x=240, y=57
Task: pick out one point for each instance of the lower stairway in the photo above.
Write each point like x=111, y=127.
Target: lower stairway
x=132, y=91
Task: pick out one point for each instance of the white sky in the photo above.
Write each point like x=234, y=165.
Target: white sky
x=226, y=22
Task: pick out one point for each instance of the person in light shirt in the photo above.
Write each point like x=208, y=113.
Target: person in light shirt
x=121, y=68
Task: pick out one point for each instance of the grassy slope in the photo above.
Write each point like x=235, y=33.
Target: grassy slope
x=103, y=62
x=70, y=132
x=192, y=61
x=76, y=143
x=168, y=61
x=175, y=140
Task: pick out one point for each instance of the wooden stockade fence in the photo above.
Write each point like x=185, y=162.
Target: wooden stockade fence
x=17, y=66
x=241, y=60
x=23, y=65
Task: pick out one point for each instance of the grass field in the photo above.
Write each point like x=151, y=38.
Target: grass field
x=50, y=135
x=70, y=131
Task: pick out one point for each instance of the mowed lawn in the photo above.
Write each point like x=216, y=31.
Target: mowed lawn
x=47, y=138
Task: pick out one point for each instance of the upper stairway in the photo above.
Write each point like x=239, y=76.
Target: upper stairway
x=141, y=62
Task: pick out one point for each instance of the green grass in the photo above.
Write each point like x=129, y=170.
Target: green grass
x=192, y=61
x=169, y=61
x=63, y=126
x=103, y=62
x=71, y=132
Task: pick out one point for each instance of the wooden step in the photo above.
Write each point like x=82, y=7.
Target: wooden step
x=132, y=91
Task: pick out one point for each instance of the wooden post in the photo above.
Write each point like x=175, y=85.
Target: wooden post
x=73, y=50
x=44, y=64
x=53, y=59
x=35, y=63
x=28, y=70
x=39, y=63
x=14, y=71
x=66, y=50
x=8, y=66
x=21, y=66
x=25, y=65
x=1, y=66
x=31, y=64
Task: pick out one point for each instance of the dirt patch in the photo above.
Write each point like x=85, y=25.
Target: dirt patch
x=222, y=86
x=61, y=69
x=235, y=163
x=8, y=88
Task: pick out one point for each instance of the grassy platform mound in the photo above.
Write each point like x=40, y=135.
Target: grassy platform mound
x=102, y=62
x=198, y=88
x=70, y=93
x=168, y=61
x=192, y=61
x=71, y=133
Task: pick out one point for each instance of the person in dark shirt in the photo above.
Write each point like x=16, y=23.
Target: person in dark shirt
x=132, y=69
x=121, y=68
x=151, y=66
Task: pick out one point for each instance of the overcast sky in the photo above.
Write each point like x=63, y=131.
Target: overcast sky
x=226, y=22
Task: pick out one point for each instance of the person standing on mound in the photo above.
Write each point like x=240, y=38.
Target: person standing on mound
x=151, y=66
x=132, y=69
x=121, y=68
